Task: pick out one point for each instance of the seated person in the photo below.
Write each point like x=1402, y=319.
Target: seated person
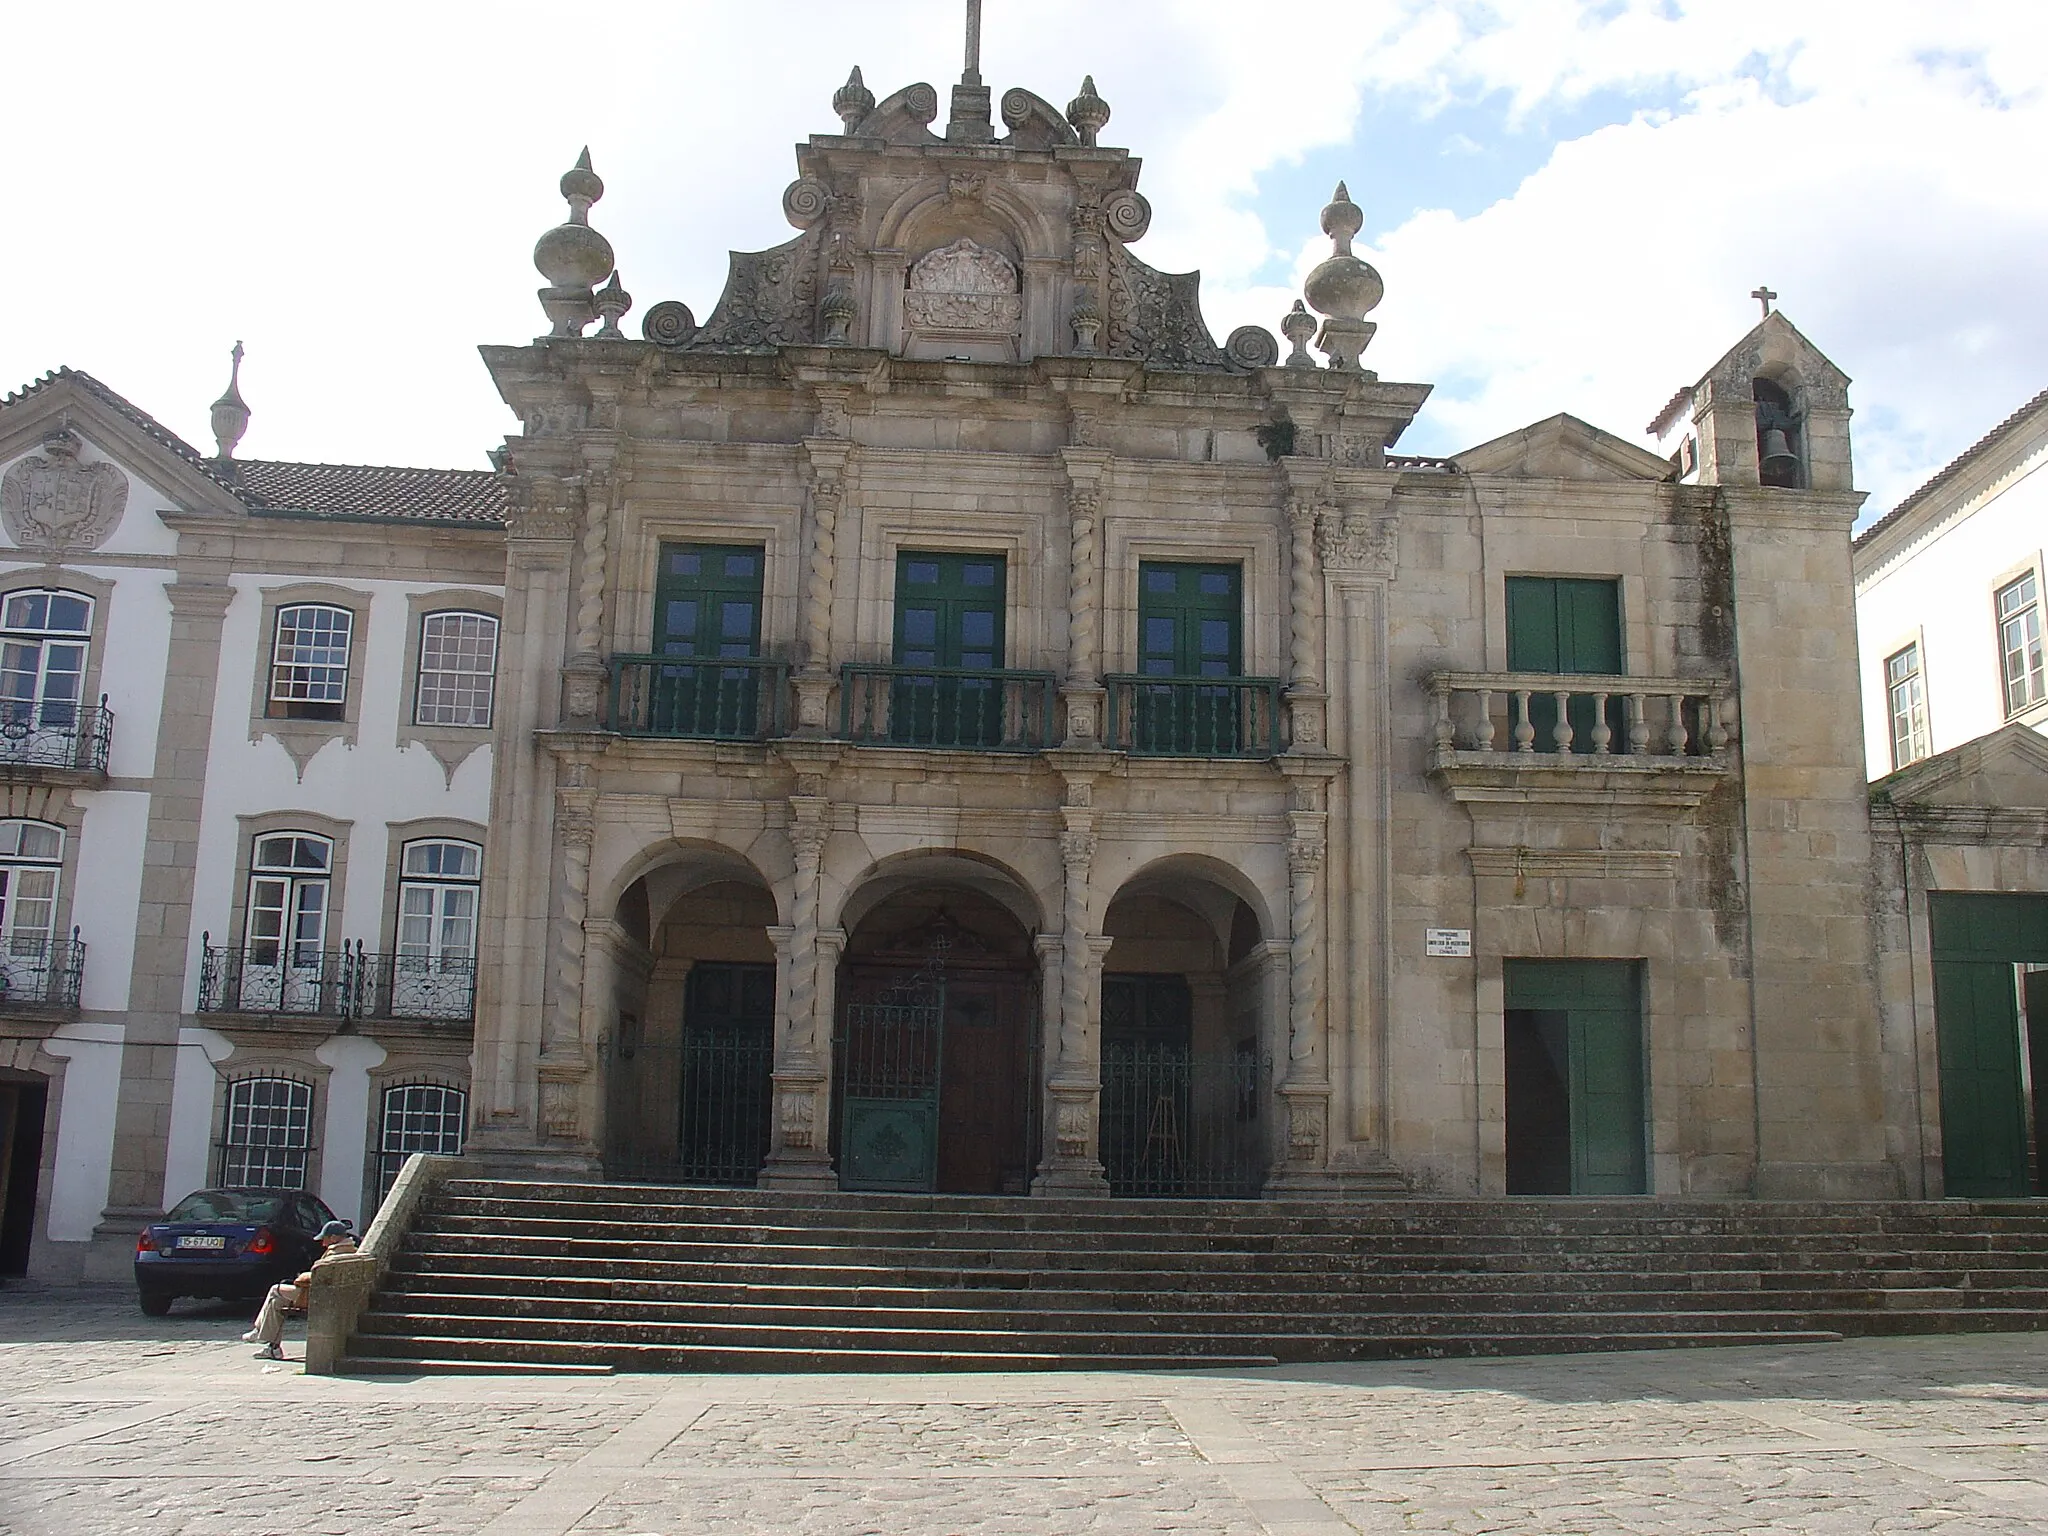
x=335, y=1240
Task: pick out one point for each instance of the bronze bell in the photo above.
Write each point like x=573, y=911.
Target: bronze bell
x=1780, y=465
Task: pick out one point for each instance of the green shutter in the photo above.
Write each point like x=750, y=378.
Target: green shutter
x=707, y=605
x=1190, y=625
x=1566, y=624
x=949, y=616
x=1976, y=940
x=1590, y=1011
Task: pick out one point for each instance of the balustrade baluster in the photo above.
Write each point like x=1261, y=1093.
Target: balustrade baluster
x=1639, y=723
x=1717, y=734
x=1603, y=733
x=1561, y=733
x=1525, y=733
x=1446, y=733
x=1675, y=742
x=1483, y=737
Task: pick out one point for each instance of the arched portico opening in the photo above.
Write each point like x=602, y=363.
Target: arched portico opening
x=936, y=1042
x=1189, y=1016
x=692, y=1043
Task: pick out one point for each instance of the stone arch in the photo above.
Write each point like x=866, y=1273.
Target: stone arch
x=929, y=215
x=1177, y=868
x=979, y=872
x=701, y=859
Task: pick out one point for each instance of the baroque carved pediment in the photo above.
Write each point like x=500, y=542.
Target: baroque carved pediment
x=770, y=299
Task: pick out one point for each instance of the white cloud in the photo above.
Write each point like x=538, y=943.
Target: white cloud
x=358, y=199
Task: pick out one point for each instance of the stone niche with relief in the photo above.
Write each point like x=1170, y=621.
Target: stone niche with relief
x=963, y=301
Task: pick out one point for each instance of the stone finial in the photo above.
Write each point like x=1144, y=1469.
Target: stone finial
x=572, y=256
x=1088, y=112
x=838, y=311
x=853, y=100
x=1343, y=289
x=612, y=303
x=230, y=411
x=1086, y=320
x=1299, y=326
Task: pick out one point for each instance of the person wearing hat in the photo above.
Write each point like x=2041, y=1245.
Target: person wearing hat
x=335, y=1240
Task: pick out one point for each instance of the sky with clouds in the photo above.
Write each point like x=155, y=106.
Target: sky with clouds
x=1569, y=200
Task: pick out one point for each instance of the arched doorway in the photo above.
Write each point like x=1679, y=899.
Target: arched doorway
x=688, y=1097
x=935, y=1052
x=1187, y=1043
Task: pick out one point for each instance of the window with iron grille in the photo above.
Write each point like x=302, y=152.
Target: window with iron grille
x=309, y=662
x=458, y=664
x=1906, y=701
x=266, y=1133
x=418, y=1117
x=2019, y=644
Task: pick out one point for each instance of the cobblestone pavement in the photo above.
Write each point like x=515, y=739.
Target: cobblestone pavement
x=111, y=1422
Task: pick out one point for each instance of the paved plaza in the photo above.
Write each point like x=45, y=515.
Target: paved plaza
x=112, y=1422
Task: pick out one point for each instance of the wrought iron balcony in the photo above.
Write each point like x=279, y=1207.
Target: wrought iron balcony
x=1193, y=716
x=734, y=698
x=995, y=710
x=346, y=983
x=40, y=974
x=63, y=737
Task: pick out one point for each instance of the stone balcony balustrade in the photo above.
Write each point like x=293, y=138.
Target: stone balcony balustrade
x=1536, y=738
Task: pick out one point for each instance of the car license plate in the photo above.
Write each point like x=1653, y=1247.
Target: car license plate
x=196, y=1241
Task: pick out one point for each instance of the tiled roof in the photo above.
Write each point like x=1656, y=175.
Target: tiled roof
x=1962, y=461
x=328, y=490
x=1669, y=414
x=370, y=490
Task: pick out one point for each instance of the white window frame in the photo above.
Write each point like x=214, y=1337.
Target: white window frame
x=455, y=695
x=27, y=651
x=289, y=903
x=306, y=680
x=1913, y=742
x=2023, y=686
x=440, y=894
x=266, y=1139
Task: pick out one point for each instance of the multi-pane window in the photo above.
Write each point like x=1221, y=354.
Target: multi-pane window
x=458, y=663
x=437, y=901
x=31, y=862
x=309, y=662
x=2019, y=643
x=1906, y=703
x=43, y=642
x=289, y=877
x=418, y=1117
x=266, y=1133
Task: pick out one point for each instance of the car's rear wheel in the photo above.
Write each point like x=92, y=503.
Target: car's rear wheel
x=156, y=1303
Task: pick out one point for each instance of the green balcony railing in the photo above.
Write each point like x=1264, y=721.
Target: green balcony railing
x=730, y=698
x=1194, y=716
x=997, y=710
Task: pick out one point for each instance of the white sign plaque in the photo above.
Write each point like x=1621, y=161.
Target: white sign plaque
x=1447, y=943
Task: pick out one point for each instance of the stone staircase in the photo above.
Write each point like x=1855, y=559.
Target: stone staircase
x=496, y=1275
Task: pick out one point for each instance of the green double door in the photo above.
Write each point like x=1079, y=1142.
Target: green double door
x=1992, y=1067
x=1573, y=1034
x=949, y=617
x=1190, y=626
x=1568, y=625
x=707, y=606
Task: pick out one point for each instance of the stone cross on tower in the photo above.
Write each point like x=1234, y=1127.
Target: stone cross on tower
x=1763, y=296
x=973, y=73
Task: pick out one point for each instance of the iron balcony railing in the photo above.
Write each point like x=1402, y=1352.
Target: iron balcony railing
x=1194, y=716
x=346, y=983
x=1577, y=715
x=55, y=734
x=41, y=973
x=989, y=710
x=732, y=698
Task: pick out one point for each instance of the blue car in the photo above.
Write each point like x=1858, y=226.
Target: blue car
x=228, y=1243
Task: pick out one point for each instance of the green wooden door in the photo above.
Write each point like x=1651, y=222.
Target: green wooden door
x=707, y=604
x=1976, y=940
x=1566, y=624
x=1190, y=625
x=949, y=616
x=1576, y=1025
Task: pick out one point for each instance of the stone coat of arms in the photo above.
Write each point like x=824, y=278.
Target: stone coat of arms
x=55, y=503
x=964, y=287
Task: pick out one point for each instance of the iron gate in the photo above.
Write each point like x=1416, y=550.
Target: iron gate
x=694, y=1108
x=1178, y=1124
x=887, y=1058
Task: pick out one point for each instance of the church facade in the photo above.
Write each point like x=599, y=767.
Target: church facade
x=945, y=722
x=984, y=735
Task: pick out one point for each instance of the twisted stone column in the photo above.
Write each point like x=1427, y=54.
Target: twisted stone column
x=797, y=1154
x=1305, y=1086
x=1082, y=690
x=1071, y=1165
x=1306, y=699
x=564, y=1068
x=827, y=460
x=584, y=674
